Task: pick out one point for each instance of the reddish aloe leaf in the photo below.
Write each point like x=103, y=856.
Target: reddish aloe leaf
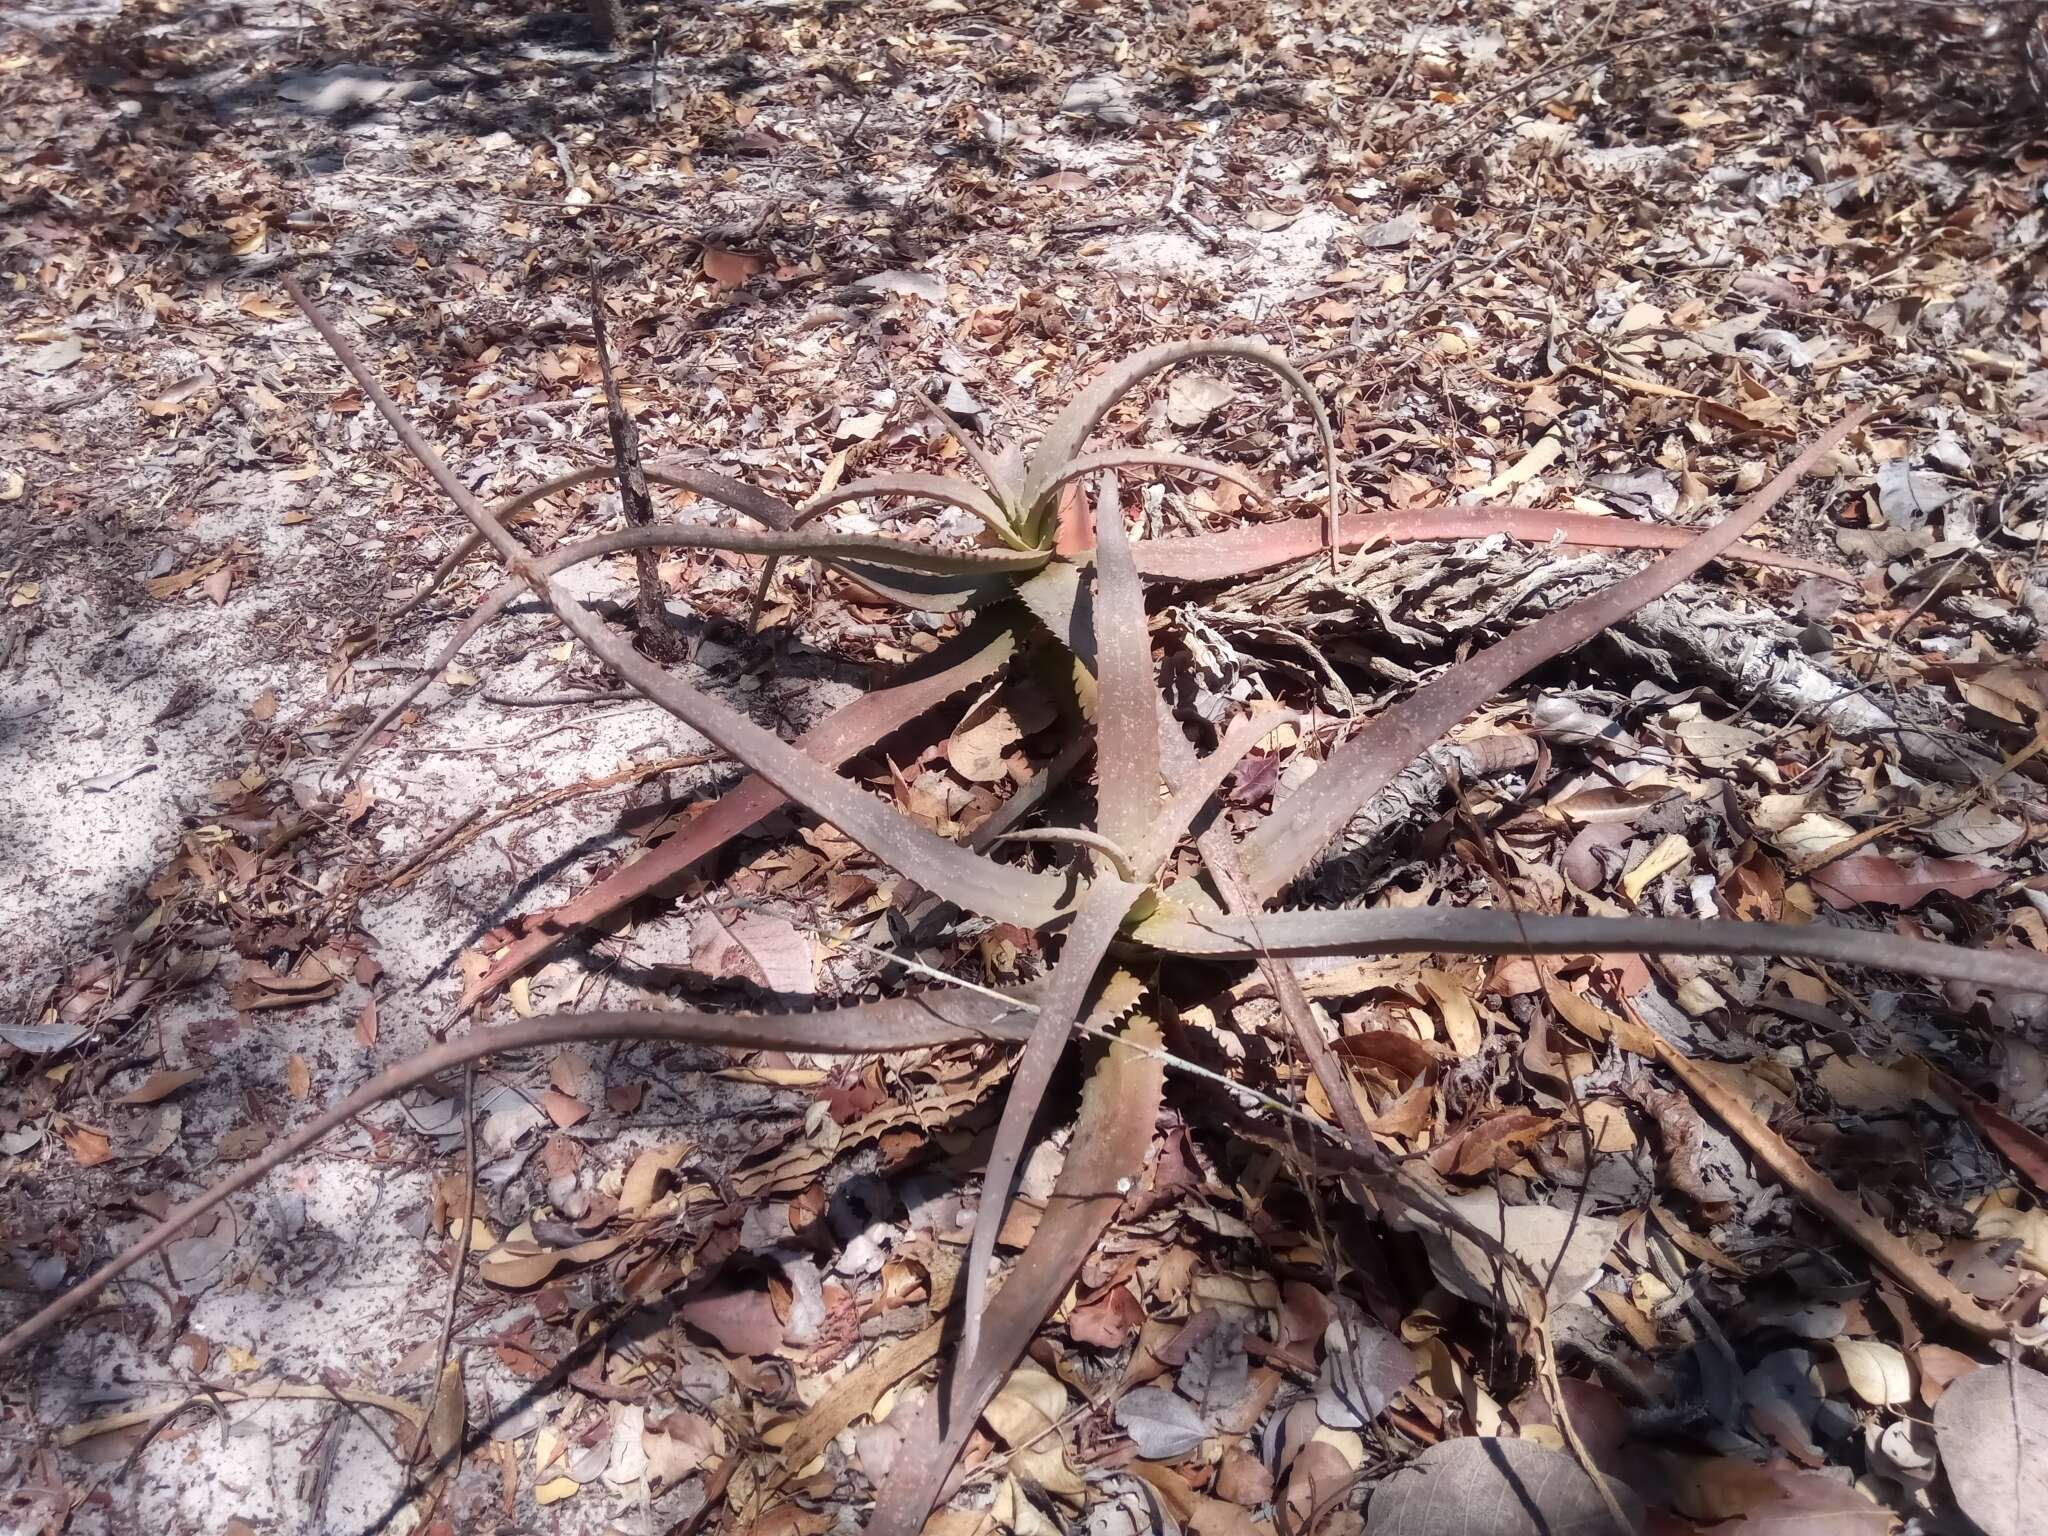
x=845, y=733
x=1111, y=1138
x=1241, y=551
x=933, y=1018
x=1409, y=930
x=1304, y=823
x=1126, y=715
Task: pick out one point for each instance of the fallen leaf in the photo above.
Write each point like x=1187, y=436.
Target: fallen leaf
x=259, y=986
x=729, y=269
x=740, y=1317
x=1491, y=1486
x=643, y=1178
x=1672, y=851
x=556, y=1489
x=1993, y=1434
x=366, y=1024
x=1192, y=398
x=1364, y=1369
x=1567, y=1247
x=1026, y=1413
x=1883, y=881
x=1163, y=1425
x=517, y=1271
x=563, y=1110
x=1877, y=1371
x=1110, y=1321
x=55, y=356
x=159, y=1085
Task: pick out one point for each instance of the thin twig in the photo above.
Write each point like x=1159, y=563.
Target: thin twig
x=461, y=1260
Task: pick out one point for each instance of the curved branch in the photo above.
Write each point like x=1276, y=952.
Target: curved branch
x=933, y=1018
x=1074, y=425
x=1138, y=458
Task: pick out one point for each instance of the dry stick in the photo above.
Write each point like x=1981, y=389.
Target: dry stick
x=900, y=1024
x=270, y=1391
x=1909, y=1267
x=1303, y=824
x=461, y=1259
x=650, y=611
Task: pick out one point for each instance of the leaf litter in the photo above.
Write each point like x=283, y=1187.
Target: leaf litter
x=1224, y=1337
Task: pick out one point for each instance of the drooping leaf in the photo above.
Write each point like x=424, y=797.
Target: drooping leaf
x=1304, y=823
x=1111, y=1137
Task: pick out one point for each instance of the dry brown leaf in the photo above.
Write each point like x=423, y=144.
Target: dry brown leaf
x=740, y=1317
x=563, y=1110
x=159, y=1085
x=1110, y=1321
x=643, y=1178
x=366, y=1024
x=516, y=1271
x=730, y=269
x=259, y=986
x=1883, y=881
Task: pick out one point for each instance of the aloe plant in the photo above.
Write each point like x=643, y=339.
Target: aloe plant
x=1115, y=892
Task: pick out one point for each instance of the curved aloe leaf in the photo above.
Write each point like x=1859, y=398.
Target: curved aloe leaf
x=1119, y=1108
x=772, y=511
x=1413, y=930
x=1063, y=995
x=1237, y=552
x=892, y=565
x=1073, y=426
x=1305, y=821
x=941, y=488
x=957, y=665
x=1139, y=458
